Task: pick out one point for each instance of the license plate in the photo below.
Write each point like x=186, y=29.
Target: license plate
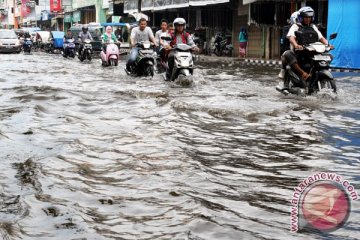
x=322, y=58
x=88, y=45
x=146, y=51
x=9, y=46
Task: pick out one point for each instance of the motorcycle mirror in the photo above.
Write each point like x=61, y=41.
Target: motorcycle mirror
x=333, y=36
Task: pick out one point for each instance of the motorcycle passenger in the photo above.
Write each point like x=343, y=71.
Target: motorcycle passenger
x=84, y=35
x=139, y=34
x=179, y=36
x=107, y=36
x=163, y=44
x=290, y=57
x=162, y=32
x=171, y=28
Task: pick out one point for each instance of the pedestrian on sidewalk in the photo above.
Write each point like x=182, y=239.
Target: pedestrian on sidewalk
x=243, y=39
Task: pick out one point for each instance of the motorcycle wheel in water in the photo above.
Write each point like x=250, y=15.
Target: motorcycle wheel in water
x=294, y=85
x=113, y=62
x=217, y=51
x=149, y=71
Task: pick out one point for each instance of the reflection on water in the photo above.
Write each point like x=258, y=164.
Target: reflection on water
x=89, y=153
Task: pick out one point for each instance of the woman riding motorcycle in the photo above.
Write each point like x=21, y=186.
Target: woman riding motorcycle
x=178, y=36
x=107, y=36
x=304, y=25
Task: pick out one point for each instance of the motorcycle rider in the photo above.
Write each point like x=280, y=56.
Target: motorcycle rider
x=84, y=35
x=139, y=34
x=304, y=24
x=27, y=36
x=68, y=36
x=178, y=36
x=107, y=36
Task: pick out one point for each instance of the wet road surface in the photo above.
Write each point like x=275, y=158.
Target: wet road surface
x=90, y=153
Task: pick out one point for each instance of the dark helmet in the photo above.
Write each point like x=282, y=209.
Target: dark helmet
x=85, y=29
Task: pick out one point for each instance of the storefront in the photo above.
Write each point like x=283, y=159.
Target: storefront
x=28, y=14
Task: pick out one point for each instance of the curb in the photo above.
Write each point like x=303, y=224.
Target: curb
x=278, y=63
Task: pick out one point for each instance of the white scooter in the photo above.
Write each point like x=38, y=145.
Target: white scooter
x=183, y=62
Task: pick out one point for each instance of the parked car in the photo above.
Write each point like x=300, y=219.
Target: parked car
x=9, y=41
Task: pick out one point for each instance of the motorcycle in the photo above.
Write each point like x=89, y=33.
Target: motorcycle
x=27, y=45
x=145, y=62
x=222, y=45
x=315, y=59
x=86, y=52
x=183, y=62
x=69, y=48
x=162, y=57
x=111, y=56
x=161, y=61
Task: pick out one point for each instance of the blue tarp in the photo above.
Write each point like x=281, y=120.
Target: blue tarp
x=58, y=38
x=344, y=18
x=113, y=24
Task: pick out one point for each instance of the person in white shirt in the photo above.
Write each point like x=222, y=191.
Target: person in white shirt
x=164, y=29
x=289, y=57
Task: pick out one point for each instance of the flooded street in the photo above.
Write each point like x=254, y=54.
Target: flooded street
x=90, y=153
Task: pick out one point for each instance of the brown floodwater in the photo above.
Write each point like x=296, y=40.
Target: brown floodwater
x=90, y=153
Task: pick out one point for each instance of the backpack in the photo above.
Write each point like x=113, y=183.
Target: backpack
x=309, y=35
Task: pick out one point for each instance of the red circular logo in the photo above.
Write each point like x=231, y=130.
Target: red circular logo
x=326, y=206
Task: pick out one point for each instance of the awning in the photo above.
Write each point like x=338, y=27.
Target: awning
x=248, y=1
x=204, y=2
x=156, y=5
x=252, y=1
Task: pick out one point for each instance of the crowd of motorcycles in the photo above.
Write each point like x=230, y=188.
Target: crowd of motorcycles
x=315, y=59
x=148, y=62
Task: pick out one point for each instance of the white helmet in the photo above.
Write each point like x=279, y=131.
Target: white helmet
x=294, y=17
x=306, y=12
x=179, y=21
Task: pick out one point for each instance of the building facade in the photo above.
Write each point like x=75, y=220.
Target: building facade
x=266, y=22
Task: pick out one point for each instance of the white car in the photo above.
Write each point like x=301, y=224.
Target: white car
x=9, y=41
